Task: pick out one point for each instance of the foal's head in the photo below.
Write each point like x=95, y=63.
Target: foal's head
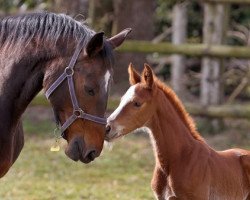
x=92, y=74
x=136, y=106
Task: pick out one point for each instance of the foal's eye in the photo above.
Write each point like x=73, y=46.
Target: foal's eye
x=137, y=104
x=89, y=91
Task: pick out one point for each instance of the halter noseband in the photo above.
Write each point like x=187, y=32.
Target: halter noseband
x=78, y=113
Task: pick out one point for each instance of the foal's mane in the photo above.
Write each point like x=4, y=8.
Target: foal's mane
x=172, y=97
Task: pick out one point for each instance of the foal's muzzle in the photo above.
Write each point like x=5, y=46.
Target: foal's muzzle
x=108, y=129
x=111, y=133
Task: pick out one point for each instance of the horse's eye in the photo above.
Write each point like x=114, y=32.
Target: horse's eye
x=137, y=104
x=89, y=91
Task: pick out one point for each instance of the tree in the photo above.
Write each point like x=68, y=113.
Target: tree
x=138, y=15
x=72, y=8
x=179, y=35
x=101, y=15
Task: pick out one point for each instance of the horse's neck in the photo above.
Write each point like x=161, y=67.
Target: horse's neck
x=21, y=79
x=170, y=137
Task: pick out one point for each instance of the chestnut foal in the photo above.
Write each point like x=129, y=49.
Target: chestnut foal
x=186, y=167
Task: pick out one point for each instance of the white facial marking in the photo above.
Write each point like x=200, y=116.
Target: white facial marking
x=127, y=97
x=106, y=79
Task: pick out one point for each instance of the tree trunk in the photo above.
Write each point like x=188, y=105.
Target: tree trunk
x=73, y=8
x=137, y=15
x=101, y=15
x=179, y=35
x=214, y=32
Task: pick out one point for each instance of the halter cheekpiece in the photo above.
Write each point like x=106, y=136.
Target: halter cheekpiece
x=68, y=73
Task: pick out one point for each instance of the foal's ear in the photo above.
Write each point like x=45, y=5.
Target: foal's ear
x=95, y=44
x=148, y=76
x=134, y=76
x=118, y=39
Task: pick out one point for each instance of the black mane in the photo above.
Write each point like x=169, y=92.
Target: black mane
x=47, y=27
x=23, y=28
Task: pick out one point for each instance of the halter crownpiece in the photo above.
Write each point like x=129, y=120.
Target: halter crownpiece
x=68, y=73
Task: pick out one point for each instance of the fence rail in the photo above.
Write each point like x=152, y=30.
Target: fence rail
x=200, y=50
x=229, y=1
x=221, y=111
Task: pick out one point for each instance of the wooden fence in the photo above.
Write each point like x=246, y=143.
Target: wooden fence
x=217, y=111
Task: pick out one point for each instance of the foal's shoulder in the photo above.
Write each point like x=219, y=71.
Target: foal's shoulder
x=245, y=161
x=235, y=153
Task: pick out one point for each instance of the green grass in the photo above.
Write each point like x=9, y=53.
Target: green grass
x=122, y=173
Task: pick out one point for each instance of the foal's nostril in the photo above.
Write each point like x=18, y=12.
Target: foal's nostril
x=108, y=129
x=92, y=155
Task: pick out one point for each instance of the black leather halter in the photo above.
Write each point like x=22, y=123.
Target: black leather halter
x=77, y=113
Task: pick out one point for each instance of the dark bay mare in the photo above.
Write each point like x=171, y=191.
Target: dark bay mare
x=73, y=65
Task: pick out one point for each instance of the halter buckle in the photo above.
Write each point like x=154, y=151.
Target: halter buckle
x=69, y=71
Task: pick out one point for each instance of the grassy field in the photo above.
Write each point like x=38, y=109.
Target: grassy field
x=121, y=173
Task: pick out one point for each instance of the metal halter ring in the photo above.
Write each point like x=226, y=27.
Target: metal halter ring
x=69, y=71
x=78, y=113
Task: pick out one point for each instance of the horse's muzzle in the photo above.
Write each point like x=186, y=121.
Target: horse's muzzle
x=77, y=150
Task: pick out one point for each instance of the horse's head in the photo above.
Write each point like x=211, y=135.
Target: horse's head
x=81, y=117
x=136, y=106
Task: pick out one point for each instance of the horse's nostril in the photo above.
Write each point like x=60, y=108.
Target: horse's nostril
x=108, y=129
x=92, y=155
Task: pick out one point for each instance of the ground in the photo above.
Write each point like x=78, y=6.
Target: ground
x=121, y=172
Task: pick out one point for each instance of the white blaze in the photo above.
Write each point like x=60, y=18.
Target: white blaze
x=106, y=79
x=127, y=97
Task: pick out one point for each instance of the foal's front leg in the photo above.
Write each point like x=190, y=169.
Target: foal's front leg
x=159, y=184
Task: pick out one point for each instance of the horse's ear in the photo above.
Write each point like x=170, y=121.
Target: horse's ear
x=134, y=76
x=118, y=39
x=95, y=44
x=148, y=76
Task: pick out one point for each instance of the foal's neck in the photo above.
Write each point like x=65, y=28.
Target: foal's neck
x=170, y=136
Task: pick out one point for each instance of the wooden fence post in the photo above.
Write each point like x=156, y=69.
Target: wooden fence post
x=214, y=32
x=179, y=34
